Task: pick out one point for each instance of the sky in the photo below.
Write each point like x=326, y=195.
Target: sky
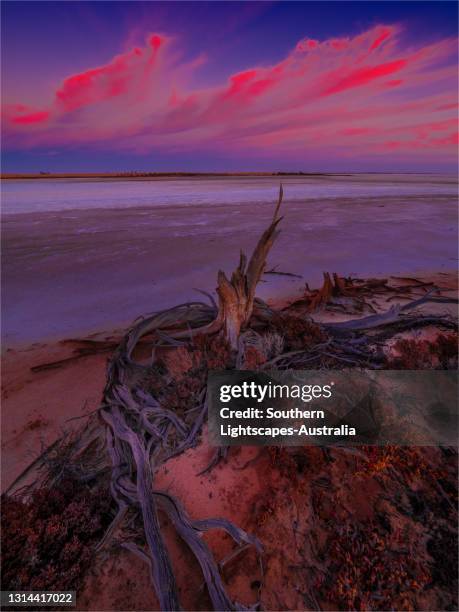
x=227, y=86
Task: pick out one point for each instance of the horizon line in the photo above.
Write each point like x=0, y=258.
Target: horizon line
x=180, y=173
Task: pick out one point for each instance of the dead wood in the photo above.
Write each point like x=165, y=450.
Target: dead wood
x=352, y=295
x=323, y=295
x=82, y=348
x=236, y=296
x=53, y=365
x=274, y=271
x=391, y=316
x=139, y=431
x=134, y=434
x=342, y=292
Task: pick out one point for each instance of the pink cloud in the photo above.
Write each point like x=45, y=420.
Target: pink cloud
x=363, y=76
x=109, y=81
x=30, y=118
x=353, y=96
x=382, y=36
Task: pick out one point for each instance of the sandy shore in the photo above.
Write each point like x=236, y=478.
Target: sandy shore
x=73, y=272
x=39, y=405
x=36, y=406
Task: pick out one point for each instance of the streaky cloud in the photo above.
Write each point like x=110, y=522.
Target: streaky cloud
x=355, y=96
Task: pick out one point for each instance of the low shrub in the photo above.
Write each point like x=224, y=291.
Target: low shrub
x=48, y=540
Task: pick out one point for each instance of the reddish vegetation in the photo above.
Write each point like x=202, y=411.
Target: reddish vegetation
x=370, y=573
x=188, y=368
x=411, y=354
x=253, y=358
x=179, y=362
x=214, y=352
x=342, y=528
x=48, y=540
x=298, y=333
x=374, y=531
x=392, y=547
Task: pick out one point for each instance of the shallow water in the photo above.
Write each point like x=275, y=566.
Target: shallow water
x=82, y=256
x=25, y=196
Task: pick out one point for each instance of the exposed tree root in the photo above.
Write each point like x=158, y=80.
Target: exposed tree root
x=352, y=294
x=137, y=422
x=135, y=431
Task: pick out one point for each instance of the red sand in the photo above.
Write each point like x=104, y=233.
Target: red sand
x=37, y=406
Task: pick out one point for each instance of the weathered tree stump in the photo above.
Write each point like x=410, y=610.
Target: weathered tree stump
x=236, y=296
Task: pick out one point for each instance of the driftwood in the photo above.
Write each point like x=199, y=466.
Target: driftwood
x=138, y=428
x=139, y=434
x=133, y=434
x=275, y=271
x=339, y=291
x=236, y=296
x=393, y=315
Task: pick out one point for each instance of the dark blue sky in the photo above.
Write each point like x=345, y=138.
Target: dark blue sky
x=44, y=42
